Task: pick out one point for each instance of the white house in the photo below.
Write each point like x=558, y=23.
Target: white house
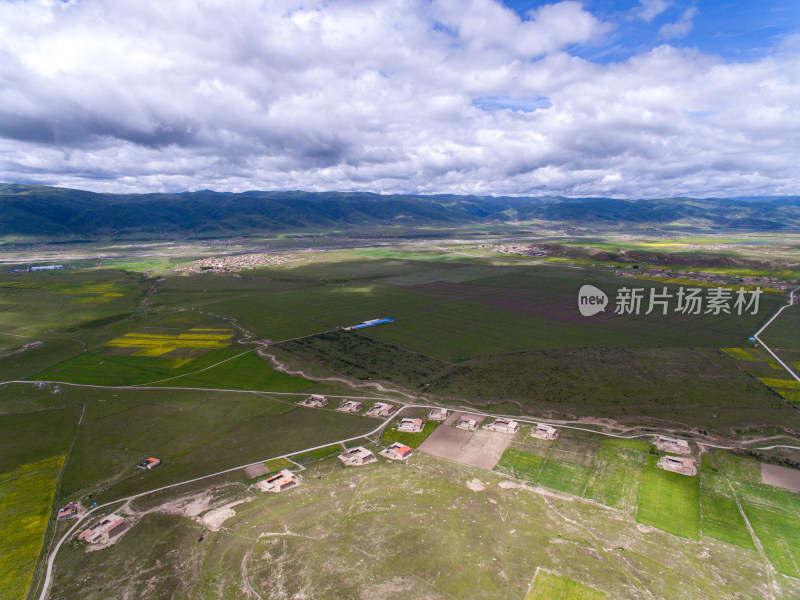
x=396, y=451
x=411, y=425
x=684, y=466
x=674, y=445
x=104, y=530
x=279, y=482
x=350, y=406
x=467, y=423
x=380, y=409
x=544, y=432
x=437, y=414
x=314, y=401
x=503, y=426
x=357, y=456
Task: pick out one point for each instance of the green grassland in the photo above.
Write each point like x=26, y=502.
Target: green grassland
x=243, y=370
x=403, y=530
x=547, y=586
x=193, y=436
x=26, y=497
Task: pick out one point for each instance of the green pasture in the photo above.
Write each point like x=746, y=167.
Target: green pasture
x=413, y=531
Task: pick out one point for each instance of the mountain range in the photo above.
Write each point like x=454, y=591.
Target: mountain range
x=31, y=210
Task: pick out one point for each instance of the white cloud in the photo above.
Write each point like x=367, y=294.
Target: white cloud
x=381, y=95
x=679, y=28
x=650, y=9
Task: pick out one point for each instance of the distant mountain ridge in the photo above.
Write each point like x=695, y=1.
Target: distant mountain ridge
x=52, y=211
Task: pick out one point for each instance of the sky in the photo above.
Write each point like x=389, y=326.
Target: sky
x=625, y=98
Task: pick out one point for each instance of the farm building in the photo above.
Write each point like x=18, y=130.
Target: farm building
x=357, y=456
x=279, y=482
x=369, y=323
x=411, y=425
x=67, y=512
x=380, y=409
x=503, y=426
x=104, y=530
x=438, y=414
x=314, y=401
x=396, y=451
x=149, y=463
x=350, y=406
x=47, y=268
x=467, y=423
x=684, y=466
x=544, y=432
x=674, y=445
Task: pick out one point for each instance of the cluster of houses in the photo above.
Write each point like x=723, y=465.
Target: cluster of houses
x=706, y=277
x=520, y=249
x=675, y=464
x=379, y=409
x=236, y=263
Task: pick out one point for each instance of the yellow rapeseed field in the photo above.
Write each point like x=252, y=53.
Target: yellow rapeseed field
x=158, y=344
x=788, y=384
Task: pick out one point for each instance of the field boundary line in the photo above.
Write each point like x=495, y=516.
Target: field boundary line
x=767, y=563
x=767, y=348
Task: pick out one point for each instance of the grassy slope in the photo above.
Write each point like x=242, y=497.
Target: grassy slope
x=413, y=530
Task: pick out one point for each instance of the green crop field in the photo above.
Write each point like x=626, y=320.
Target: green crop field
x=617, y=474
x=780, y=537
x=26, y=496
x=522, y=465
x=670, y=502
x=564, y=476
x=391, y=435
x=720, y=515
x=547, y=586
x=242, y=370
